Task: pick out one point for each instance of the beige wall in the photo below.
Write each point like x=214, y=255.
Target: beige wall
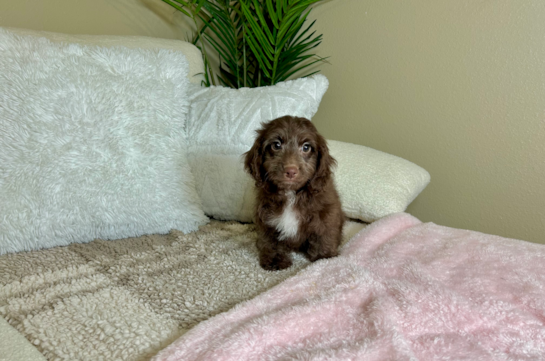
x=112, y=17
x=456, y=86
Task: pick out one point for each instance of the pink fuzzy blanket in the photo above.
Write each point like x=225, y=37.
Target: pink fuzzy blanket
x=400, y=290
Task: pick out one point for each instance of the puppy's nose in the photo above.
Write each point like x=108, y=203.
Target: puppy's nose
x=291, y=172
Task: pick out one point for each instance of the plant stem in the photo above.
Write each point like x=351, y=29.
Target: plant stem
x=244, y=55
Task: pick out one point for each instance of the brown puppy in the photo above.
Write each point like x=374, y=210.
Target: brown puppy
x=298, y=207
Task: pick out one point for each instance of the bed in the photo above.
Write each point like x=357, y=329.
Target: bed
x=126, y=228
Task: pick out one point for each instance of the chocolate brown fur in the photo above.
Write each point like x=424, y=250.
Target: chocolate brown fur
x=298, y=207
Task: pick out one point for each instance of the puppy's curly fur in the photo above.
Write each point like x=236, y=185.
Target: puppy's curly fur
x=298, y=207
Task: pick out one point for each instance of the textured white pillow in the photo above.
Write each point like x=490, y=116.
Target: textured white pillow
x=91, y=143
x=221, y=127
x=225, y=119
x=373, y=184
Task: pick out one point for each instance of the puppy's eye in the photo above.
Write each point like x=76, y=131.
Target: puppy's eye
x=306, y=148
x=277, y=145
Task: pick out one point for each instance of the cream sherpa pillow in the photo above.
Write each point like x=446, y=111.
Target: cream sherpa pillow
x=373, y=184
x=91, y=143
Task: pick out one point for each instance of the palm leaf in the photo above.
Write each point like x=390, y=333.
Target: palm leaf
x=264, y=25
x=295, y=70
x=258, y=42
x=257, y=32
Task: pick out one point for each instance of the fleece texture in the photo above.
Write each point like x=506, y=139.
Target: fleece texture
x=221, y=127
x=400, y=290
x=92, y=143
x=126, y=299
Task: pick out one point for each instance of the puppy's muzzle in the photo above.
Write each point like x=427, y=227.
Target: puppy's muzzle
x=291, y=172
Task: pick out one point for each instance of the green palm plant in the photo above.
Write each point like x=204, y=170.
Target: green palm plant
x=258, y=42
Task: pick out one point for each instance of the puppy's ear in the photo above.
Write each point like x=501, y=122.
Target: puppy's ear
x=253, y=159
x=324, y=164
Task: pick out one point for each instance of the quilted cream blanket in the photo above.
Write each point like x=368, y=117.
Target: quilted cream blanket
x=400, y=290
x=127, y=299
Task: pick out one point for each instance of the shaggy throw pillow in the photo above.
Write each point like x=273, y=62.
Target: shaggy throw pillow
x=221, y=127
x=191, y=52
x=91, y=143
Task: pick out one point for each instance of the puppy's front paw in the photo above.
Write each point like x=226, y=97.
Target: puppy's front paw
x=278, y=262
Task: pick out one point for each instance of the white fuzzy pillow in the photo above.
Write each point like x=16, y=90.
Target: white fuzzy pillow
x=191, y=52
x=91, y=143
x=221, y=127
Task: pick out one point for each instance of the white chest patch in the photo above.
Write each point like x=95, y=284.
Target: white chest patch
x=286, y=223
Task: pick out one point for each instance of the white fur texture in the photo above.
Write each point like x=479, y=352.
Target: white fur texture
x=287, y=223
x=92, y=143
x=192, y=53
x=221, y=127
